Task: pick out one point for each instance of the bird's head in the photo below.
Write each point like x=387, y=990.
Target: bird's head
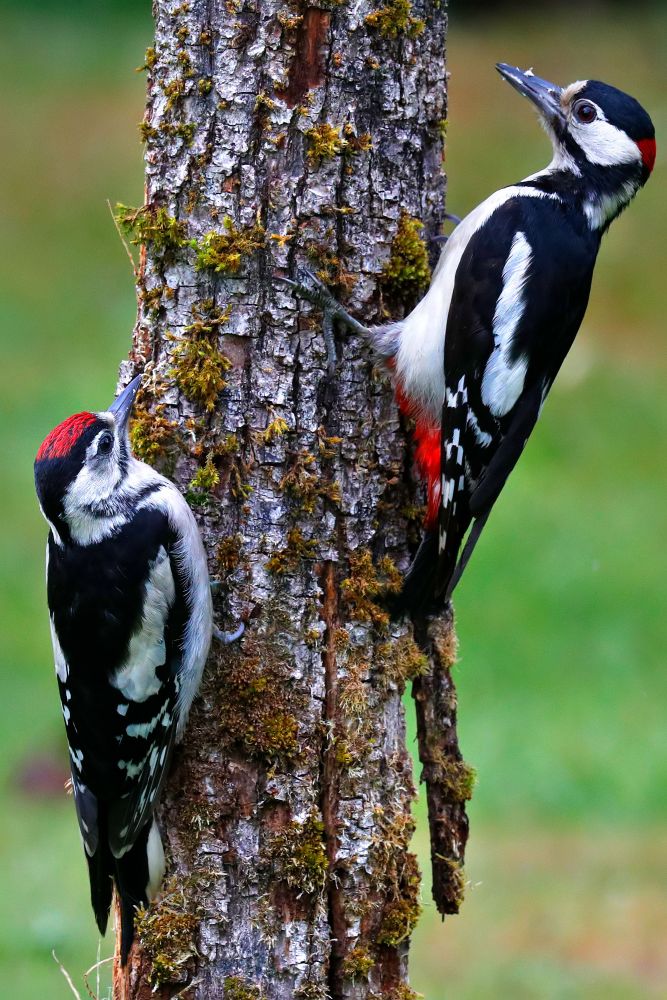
x=82, y=465
x=599, y=134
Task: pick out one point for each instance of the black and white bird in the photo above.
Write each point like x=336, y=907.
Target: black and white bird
x=474, y=361
x=131, y=622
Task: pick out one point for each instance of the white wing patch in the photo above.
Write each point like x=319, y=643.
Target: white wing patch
x=62, y=666
x=503, y=378
x=137, y=679
x=420, y=357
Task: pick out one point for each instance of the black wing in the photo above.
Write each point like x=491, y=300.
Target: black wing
x=520, y=294
x=118, y=616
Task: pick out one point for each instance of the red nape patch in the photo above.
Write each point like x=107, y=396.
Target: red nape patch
x=647, y=149
x=427, y=460
x=63, y=437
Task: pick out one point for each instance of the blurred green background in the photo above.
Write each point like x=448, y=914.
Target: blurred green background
x=562, y=682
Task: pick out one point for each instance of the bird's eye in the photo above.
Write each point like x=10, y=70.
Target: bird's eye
x=105, y=444
x=585, y=112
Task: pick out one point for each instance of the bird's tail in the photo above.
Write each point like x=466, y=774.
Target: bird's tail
x=136, y=877
x=418, y=593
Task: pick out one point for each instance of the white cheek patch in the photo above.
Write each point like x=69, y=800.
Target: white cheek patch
x=604, y=144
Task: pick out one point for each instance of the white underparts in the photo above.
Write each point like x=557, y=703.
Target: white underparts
x=504, y=377
x=420, y=356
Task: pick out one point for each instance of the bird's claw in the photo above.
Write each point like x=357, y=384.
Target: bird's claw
x=226, y=638
x=309, y=287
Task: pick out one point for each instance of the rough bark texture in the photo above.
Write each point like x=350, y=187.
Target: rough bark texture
x=276, y=134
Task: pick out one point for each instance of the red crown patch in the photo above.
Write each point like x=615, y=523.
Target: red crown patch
x=62, y=438
x=647, y=149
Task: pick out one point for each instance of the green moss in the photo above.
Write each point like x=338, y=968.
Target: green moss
x=151, y=225
x=205, y=479
x=365, y=584
x=358, y=963
x=356, y=143
x=325, y=141
x=292, y=555
x=400, y=660
x=257, y=702
x=312, y=991
x=147, y=132
x=400, y=914
x=274, y=430
x=167, y=930
x=182, y=130
x=174, y=91
x=456, y=889
x=154, y=438
x=305, y=488
x=297, y=856
x=395, y=19
x=407, y=272
x=453, y=774
x=150, y=59
x=198, y=369
x=228, y=554
x=205, y=86
x=224, y=252
x=398, y=878
x=236, y=988
x=400, y=992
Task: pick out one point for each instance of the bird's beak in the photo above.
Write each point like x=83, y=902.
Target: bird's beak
x=544, y=95
x=122, y=405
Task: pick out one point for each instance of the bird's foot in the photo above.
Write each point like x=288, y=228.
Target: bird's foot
x=308, y=286
x=450, y=218
x=226, y=638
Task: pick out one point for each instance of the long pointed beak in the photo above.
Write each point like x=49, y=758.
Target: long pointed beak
x=544, y=95
x=122, y=405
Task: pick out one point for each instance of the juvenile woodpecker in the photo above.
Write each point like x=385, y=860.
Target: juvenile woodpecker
x=474, y=361
x=131, y=623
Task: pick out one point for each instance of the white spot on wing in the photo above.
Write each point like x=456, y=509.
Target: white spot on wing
x=420, y=356
x=62, y=667
x=156, y=864
x=503, y=378
x=137, y=679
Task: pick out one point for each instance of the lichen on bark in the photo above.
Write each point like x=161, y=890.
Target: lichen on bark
x=274, y=135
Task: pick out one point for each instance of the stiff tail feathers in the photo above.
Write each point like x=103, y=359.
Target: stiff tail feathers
x=418, y=593
x=136, y=877
x=432, y=576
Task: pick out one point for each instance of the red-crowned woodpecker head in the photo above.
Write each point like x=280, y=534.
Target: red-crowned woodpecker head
x=84, y=460
x=599, y=134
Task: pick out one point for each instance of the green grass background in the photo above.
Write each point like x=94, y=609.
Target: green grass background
x=562, y=681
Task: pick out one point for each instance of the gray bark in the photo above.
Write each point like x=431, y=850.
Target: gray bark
x=287, y=816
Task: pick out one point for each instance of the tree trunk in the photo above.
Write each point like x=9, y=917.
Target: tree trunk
x=278, y=134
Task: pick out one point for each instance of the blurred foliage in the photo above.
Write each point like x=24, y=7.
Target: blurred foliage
x=561, y=617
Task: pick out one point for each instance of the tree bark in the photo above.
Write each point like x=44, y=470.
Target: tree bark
x=278, y=134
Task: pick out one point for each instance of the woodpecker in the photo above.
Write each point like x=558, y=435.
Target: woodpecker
x=131, y=624
x=474, y=360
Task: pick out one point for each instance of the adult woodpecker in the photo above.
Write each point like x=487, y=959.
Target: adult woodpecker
x=131, y=623
x=474, y=361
